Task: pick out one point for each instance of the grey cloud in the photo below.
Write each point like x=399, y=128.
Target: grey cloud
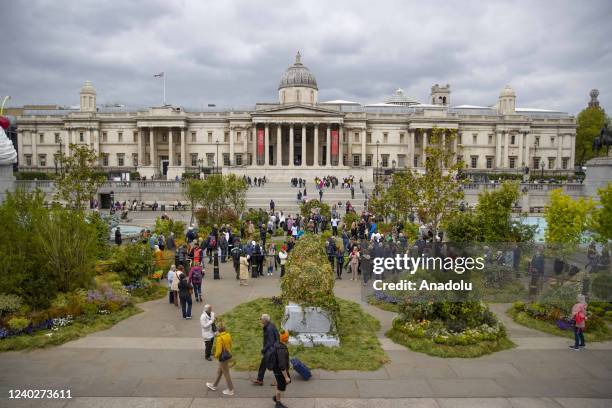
x=233, y=53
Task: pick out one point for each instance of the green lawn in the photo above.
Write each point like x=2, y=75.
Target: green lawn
x=548, y=327
x=359, y=348
x=432, y=348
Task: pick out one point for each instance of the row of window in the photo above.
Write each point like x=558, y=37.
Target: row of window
x=513, y=140
x=513, y=163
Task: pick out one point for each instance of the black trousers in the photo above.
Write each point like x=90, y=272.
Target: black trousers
x=208, y=347
x=262, y=369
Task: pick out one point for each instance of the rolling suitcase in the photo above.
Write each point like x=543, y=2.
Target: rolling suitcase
x=301, y=369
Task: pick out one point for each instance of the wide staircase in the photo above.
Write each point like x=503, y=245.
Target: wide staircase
x=285, y=196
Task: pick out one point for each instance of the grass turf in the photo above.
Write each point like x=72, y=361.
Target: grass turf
x=432, y=348
x=548, y=327
x=359, y=348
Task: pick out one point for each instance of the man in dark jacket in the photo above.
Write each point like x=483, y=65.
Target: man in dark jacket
x=270, y=338
x=235, y=253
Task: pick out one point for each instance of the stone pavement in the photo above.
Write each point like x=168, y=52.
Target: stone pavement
x=158, y=355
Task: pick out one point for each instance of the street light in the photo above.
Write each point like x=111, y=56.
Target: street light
x=542, y=165
x=201, y=166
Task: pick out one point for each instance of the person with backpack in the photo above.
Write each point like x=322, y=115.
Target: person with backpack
x=579, y=316
x=211, y=247
x=235, y=254
x=280, y=368
x=270, y=338
x=196, y=274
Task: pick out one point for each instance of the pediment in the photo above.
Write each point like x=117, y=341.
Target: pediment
x=295, y=110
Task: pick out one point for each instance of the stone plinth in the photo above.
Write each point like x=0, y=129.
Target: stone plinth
x=7, y=181
x=598, y=175
x=311, y=326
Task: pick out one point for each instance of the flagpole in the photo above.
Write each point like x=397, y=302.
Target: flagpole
x=164, y=78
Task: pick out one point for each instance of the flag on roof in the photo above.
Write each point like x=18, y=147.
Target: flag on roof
x=160, y=75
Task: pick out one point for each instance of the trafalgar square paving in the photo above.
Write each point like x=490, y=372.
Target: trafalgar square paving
x=155, y=359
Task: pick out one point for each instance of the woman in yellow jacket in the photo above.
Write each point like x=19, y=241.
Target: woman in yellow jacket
x=223, y=348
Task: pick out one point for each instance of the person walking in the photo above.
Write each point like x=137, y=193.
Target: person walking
x=270, y=338
x=244, y=269
x=282, y=258
x=339, y=261
x=579, y=316
x=185, y=288
x=280, y=368
x=223, y=353
x=195, y=278
x=236, y=252
x=207, y=323
x=354, y=262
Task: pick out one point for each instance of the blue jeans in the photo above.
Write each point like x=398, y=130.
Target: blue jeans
x=197, y=290
x=578, y=337
x=186, y=306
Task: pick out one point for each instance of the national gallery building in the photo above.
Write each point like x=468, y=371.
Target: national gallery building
x=298, y=136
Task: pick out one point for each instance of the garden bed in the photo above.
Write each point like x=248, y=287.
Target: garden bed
x=359, y=347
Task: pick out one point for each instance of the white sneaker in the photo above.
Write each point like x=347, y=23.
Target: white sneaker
x=211, y=386
x=228, y=392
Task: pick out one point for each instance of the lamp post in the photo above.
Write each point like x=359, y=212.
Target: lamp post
x=59, y=155
x=542, y=165
x=217, y=156
x=200, y=167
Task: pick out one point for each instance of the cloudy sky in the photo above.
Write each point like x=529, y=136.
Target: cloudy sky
x=233, y=53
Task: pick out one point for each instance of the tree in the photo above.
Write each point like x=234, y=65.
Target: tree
x=79, y=180
x=439, y=190
x=193, y=190
x=567, y=219
x=589, y=123
x=602, y=216
x=216, y=194
x=397, y=201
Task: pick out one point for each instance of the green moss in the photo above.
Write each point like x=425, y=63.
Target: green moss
x=359, y=347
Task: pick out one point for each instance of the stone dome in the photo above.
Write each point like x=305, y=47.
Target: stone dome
x=399, y=98
x=298, y=75
x=507, y=91
x=88, y=88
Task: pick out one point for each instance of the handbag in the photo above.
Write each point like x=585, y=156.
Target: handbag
x=225, y=356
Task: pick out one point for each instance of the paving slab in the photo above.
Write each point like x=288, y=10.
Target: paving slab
x=458, y=387
x=473, y=403
x=584, y=402
x=395, y=388
x=534, y=403
x=376, y=403
x=483, y=369
x=129, y=402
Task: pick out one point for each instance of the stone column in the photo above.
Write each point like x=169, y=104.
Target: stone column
x=424, y=148
x=151, y=147
x=291, y=144
x=279, y=149
x=254, y=155
x=507, y=150
x=572, y=151
x=519, y=158
x=340, y=154
x=34, y=140
x=245, y=146
x=170, y=148
x=316, y=145
x=328, y=146
x=349, y=147
x=411, y=133
x=527, y=156
x=67, y=142
x=96, y=141
x=363, y=134
x=303, y=145
x=498, y=152
x=266, y=144
x=232, y=135
x=183, y=148
x=140, y=148
x=559, y=152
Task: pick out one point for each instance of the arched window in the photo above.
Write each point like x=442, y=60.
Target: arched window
x=297, y=95
x=312, y=97
x=282, y=96
x=444, y=100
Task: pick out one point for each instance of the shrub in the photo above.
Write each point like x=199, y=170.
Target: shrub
x=167, y=226
x=17, y=324
x=34, y=175
x=132, y=261
x=306, y=209
x=309, y=280
x=562, y=298
x=9, y=304
x=602, y=286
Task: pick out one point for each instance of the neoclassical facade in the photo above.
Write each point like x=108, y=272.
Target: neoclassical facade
x=298, y=135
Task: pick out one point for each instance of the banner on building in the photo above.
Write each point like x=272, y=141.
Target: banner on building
x=334, y=142
x=260, y=144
